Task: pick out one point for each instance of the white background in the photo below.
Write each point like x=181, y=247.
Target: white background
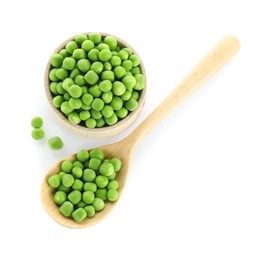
x=202, y=184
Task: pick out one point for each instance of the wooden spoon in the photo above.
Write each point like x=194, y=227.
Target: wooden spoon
x=211, y=63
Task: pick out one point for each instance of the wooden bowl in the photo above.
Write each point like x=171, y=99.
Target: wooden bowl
x=105, y=131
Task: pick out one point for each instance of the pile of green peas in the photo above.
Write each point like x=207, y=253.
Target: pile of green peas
x=95, y=81
x=83, y=185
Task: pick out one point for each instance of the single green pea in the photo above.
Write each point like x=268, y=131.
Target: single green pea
x=87, y=45
x=113, y=185
x=131, y=104
x=105, y=85
x=75, y=103
x=67, y=83
x=102, y=46
x=60, y=89
x=107, y=111
x=66, y=97
x=96, y=114
x=109, y=75
x=88, y=197
x=53, y=87
x=62, y=73
x=94, y=164
x=84, y=65
x=52, y=75
x=105, y=55
x=79, y=215
x=135, y=60
x=61, y=174
x=95, y=37
x=55, y=143
x=112, y=195
x=54, y=181
x=97, y=67
x=77, y=172
x=63, y=188
x=98, y=204
x=56, y=60
x=67, y=180
x=127, y=65
x=84, y=115
x=86, y=108
x=128, y=50
x=107, y=66
x=122, y=113
x=97, y=104
x=69, y=63
x=123, y=55
x=117, y=164
x=84, y=90
x=95, y=91
x=91, y=77
x=81, y=204
x=75, y=196
x=83, y=155
x=74, y=73
x=89, y=175
x=112, y=120
x=126, y=96
x=90, y=186
x=101, y=181
x=79, y=39
x=79, y=54
x=106, y=169
x=66, y=108
x=111, y=41
x=115, y=53
x=66, y=166
x=107, y=97
x=90, y=123
x=77, y=185
x=71, y=46
x=37, y=122
x=64, y=53
x=140, y=81
x=129, y=81
x=60, y=197
x=97, y=153
x=90, y=211
x=112, y=177
x=37, y=134
x=119, y=72
x=135, y=70
x=93, y=55
x=78, y=164
x=135, y=95
x=66, y=209
x=118, y=88
x=101, y=193
x=58, y=100
x=116, y=103
x=115, y=61
x=79, y=80
x=74, y=118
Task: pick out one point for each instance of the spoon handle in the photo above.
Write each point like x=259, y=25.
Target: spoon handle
x=221, y=53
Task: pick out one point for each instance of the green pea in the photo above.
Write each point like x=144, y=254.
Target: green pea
x=127, y=65
x=113, y=185
x=90, y=123
x=140, y=81
x=79, y=215
x=105, y=85
x=115, y=61
x=102, y=46
x=90, y=211
x=61, y=174
x=79, y=39
x=77, y=185
x=112, y=177
x=107, y=97
x=79, y=54
x=86, y=108
x=66, y=209
x=94, y=164
x=74, y=73
x=115, y=53
x=112, y=195
x=95, y=37
x=84, y=115
x=96, y=114
x=75, y=196
x=63, y=188
x=129, y=51
x=107, y=66
x=111, y=41
x=112, y=120
x=89, y=175
x=62, y=73
x=93, y=55
x=106, y=169
x=37, y=134
x=74, y=118
x=129, y=81
x=79, y=80
x=77, y=172
x=97, y=104
x=87, y=45
x=55, y=143
x=54, y=181
x=97, y=67
x=67, y=180
x=83, y=155
x=119, y=72
x=95, y=91
x=37, y=122
x=135, y=70
x=126, y=96
x=122, y=113
x=88, y=197
x=67, y=166
x=67, y=83
x=56, y=60
x=69, y=63
x=123, y=55
x=97, y=153
x=53, y=87
x=91, y=77
x=118, y=88
x=71, y=46
x=98, y=204
x=105, y=55
x=101, y=181
x=66, y=97
x=101, y=193
x=84, y=65
x=60, y=89
x=57, y=101
x=117, y=164
x=78, y=164
x=60, y=197
x=81, y=204
x=90, y=186
x=107, y=111
x=66, y=108
x=109, y=75
x=52, y=75
x=116, y=103
x=135, y=95
x=131, y=104
x=64, y=53
x=75, y=103
x=84, y=90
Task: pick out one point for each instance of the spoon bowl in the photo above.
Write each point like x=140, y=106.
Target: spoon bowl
x=209, y=65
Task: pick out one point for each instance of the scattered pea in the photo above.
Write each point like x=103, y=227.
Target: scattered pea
x=55, y=143
x=37, y=134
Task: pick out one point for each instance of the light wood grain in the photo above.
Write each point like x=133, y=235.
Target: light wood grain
x=106, y=131
x=210, y=64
